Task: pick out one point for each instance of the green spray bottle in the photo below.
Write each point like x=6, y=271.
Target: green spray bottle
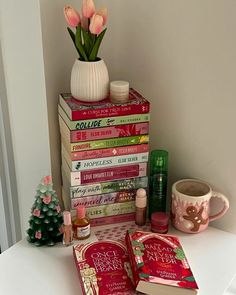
x=158, y=181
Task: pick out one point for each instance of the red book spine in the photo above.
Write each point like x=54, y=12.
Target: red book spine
x=112, y=219
x=77, y=110
x=109, y=152
x=110, y=112
x=114, y=173
x=109, y=132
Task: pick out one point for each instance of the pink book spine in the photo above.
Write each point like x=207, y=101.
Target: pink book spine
x=114, y=173
x=112, y=219
x=109, y=132
x=110, y=111
x=109, y=152
x=104, y=199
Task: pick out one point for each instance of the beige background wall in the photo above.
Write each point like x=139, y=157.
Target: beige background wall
x=180, y=54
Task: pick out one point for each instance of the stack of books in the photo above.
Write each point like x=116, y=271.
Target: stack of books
x=105, y=151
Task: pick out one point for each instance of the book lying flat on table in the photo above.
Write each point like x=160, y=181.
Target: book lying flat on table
x=159, y=265
x=104, y=268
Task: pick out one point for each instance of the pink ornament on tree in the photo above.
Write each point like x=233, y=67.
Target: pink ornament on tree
x=58, y=208
x=47, y=180
x=38, y=235
x=47, y=199
x=36, y=212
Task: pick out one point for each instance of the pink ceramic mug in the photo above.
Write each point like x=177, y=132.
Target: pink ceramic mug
x=190, y=208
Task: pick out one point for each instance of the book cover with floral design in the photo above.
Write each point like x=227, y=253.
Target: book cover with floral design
x=104, y=268
x=158, y=262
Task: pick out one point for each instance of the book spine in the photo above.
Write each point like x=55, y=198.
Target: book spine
x=84, y=292
x=106, y=143
x=109, y=152
x=109, y=132
x=112, y=219
x=105, y=199
x=132, y=259
x=108, y=111
x=102, y=122
x=85, y=165
x=108, y=187
x=104, y=174
x=110, y=210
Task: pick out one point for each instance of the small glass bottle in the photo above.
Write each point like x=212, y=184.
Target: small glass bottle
x=141, y=206
x=67, y=229
x=158, y=181
x=81, y=225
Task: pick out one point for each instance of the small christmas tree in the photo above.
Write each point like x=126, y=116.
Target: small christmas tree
x=46, y=219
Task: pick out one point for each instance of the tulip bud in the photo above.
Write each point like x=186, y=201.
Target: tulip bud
x=72, y=16
x=88, y=8
x=103, y=13
x=96, y=24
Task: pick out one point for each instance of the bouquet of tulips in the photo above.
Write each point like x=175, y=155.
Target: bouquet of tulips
x=89, y=29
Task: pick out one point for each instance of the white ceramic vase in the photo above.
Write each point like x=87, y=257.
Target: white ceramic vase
x=89, y=80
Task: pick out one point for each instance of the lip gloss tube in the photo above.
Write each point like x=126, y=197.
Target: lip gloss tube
x=68, y=232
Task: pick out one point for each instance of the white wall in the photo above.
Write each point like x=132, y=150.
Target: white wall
x=179, y=54
x=25, y=86
x=182, y=56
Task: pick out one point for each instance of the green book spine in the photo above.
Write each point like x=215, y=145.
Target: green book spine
x=102, y=122
x=110, y=210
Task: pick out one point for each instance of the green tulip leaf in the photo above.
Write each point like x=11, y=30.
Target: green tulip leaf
x=78, y=43
x=88, y=41
x=72, y=34
x=97, y=43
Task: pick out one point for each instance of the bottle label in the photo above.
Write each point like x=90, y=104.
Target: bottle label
x=83, y=232
x=160, y=185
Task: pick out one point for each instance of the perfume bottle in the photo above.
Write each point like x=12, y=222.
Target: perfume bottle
x=81, y=225
x=67, y=229
x=141, y=206
x=158, y=181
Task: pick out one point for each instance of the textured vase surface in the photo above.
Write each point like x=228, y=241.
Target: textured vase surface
x=89, y=80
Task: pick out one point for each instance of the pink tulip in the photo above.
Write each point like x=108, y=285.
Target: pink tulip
x=96, y=24
x=88, y=8
x=103, y=13
x=72, y=16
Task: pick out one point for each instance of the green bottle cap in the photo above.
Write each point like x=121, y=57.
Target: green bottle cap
x=159, y=161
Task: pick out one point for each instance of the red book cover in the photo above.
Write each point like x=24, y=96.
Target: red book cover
x=104, y=268
x=108, y=152
x=159, y=264
x=80, y=110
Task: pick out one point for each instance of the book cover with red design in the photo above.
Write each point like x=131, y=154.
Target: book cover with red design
x=108, y=152
x=159, y=264
x=74, y=136
x=80, y=110
x=104, y=268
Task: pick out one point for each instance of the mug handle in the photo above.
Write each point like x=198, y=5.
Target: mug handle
x=225, y=208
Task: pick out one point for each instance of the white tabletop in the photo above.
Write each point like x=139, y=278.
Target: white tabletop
x=26, y=270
